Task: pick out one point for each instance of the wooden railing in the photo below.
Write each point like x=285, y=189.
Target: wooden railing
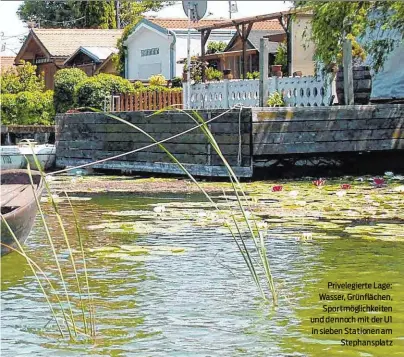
x=145, y=101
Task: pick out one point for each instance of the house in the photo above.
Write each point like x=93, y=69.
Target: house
x=49, y=49
x=274, y=30
x=154, y=46
x=230, y=58
x=6, y=62
x=92, y=60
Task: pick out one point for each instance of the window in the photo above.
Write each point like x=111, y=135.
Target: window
x=150, y=52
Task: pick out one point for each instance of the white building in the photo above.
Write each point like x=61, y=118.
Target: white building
x=154, y=46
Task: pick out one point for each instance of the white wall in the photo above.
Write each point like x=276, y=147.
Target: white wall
x=181, y=48
x=143, y=67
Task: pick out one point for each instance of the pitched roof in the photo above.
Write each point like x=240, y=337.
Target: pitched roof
x=254, y=40
x=6, y=62
x=180, y=23
x=98, y=54
x=63, y=42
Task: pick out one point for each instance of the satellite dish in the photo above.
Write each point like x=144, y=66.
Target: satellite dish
x=197, y=9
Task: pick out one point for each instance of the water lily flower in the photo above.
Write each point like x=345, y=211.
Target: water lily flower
x=379, y=182
x=340, y=193
x=277, y=188
x=319, y=183
x=294, y=193
x=345, y=186
x=159, y=209
x=389, y=174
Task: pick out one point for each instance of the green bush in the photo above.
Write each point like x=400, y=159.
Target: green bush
x=253, y=75
x=216, y=46
x=213, y=74
x=158, y=80
x=275, y=100
x=22, y=78
x=138, y=85
x=95, y=91
x=65, y=82
x=176, y=82
x=27, y=108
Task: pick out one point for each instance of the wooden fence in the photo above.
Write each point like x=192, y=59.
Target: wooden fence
x=146, y=101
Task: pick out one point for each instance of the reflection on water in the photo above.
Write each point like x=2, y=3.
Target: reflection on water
x=200, y=302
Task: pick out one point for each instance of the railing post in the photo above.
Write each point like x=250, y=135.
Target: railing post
x=185, y=95
x=263, y=72
x=226, y=94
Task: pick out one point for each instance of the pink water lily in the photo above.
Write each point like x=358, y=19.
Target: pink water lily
x=379, y=182
x=345, y=186
x=319, y=183
x=277, y=188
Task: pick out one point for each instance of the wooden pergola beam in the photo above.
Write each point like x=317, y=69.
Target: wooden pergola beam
x=248, y=20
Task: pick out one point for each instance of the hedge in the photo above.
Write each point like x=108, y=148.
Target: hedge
x=65, y=82
x=27, y=108
x=93, y=91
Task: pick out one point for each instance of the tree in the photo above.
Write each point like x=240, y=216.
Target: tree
x=22, y=78
x=85, y=14
x=366, y=23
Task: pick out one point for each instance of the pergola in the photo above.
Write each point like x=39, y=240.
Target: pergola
x=243, y=27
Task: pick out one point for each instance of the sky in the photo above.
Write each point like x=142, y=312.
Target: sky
x=11, y=25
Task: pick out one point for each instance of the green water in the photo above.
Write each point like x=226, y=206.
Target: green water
x=199, y=300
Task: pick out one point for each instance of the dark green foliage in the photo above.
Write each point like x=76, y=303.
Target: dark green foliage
x=85, y=14
x=176, y=82
x=253, y=75
x=27, y=108
x=95, y=91
x=215, y=47
x=65, y=82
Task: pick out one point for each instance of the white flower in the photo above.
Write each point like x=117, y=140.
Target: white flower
x=294, y=193
x=389, y=174
x=340, y=193
x=159, y=209
x=399, y=189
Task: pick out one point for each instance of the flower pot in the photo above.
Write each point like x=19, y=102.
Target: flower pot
x=276, y=68
x=184, y=76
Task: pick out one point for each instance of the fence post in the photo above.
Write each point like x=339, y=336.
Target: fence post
x=263, y=71
x=226, y=94
x=348, y=75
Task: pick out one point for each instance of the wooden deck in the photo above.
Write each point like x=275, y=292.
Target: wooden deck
x=256, y=134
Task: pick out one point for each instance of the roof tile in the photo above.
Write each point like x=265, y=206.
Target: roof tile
x=63, y=42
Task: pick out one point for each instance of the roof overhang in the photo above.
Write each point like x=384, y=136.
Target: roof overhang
x=31, y=37
x=144, y=23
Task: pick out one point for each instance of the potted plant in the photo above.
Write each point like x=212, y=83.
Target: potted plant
x=275, y=100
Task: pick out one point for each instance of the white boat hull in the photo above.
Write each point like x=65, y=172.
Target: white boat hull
x=12, y=157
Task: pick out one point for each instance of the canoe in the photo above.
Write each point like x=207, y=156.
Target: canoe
x=11, y=158
x=18, y=205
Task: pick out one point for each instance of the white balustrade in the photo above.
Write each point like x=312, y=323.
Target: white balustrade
x=296, y=91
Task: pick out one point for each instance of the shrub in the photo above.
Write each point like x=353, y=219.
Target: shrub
x=275, y=100
x=138, y=85
x=95, y=91
x=253, y=75
x=214, y=47
x=213, y=74
x=158, y=80
x=65, y=82
x=22, y=78
x=27, y=108
x=176, y=82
